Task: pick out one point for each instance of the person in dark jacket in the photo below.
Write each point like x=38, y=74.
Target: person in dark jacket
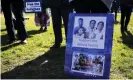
x=60, y=9
x=17, y=6
x=126, y=10
x=91, y=6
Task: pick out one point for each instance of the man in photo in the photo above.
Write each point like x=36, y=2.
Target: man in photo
x=91, y=34
x=99, y=30
x=80, y=30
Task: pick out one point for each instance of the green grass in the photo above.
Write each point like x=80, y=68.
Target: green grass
x=37, y=60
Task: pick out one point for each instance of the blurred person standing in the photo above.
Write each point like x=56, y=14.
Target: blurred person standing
x=126, y=10
x=17, y=6
x=60, y=9
x=42, y=18
x=115, y=7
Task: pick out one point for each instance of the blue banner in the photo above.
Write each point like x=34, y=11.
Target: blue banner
x=33, y=6
x=89, y=45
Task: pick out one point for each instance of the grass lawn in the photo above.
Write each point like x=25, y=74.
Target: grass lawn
x=37, y=60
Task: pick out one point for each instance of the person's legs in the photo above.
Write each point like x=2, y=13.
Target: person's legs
x=123, y=15
x=65, y=16
x=56, y=18
x=18, y=13
x=128, y=15
x=40, y=21
x=8, y=19
x=116, y=13
x=46, y=21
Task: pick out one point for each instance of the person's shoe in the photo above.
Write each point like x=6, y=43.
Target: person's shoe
x=23, y=41
x=41, y=29
x=56, y=46
x=45, y=29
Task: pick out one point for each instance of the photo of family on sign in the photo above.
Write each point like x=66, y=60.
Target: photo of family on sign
x=88, y=63
x=89, y=28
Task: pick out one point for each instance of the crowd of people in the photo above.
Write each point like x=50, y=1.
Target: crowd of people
x=60, y=10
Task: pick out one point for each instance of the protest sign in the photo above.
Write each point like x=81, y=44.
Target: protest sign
x=89, y=45
x=33, y=6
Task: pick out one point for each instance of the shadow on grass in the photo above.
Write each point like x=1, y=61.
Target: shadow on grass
x=4, y=45
x=48, y=66
x=127, y=39
x=9, y=46
x=34, y=32
x=4, y=39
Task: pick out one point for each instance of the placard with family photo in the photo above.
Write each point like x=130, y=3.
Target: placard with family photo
x=89, y=32
x=87, y=63
x=89, y=45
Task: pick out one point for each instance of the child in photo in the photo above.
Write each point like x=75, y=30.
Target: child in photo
x=80, y=33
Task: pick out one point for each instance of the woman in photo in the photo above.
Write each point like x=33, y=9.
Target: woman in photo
x=99, y=30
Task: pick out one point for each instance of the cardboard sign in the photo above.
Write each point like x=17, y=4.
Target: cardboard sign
x=33, y=6
x=89, y=45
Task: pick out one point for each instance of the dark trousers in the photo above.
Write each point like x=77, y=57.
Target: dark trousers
x=125, y=16
x=18, y=13
x=115, y=8
x=59, y=13
x=89, y=6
